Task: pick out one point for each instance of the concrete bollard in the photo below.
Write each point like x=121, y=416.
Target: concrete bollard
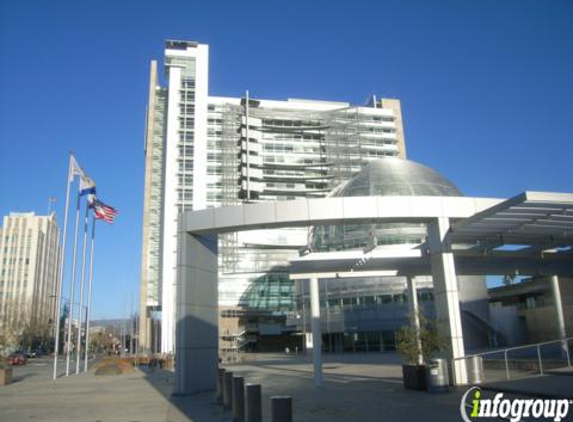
x=281, y=409
x=228, y=390
x=253, y=409
x=220, y=378
x=238, y=399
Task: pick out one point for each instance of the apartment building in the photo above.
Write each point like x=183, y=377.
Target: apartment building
x=29, y=254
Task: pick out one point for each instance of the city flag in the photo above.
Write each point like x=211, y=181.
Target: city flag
x=102, y=211
x=87, y=186
x=76, y=169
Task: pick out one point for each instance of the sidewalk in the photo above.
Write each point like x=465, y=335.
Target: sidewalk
x=136, y=397
x=361, y=387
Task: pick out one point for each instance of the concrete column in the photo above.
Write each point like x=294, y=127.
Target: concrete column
x=559, y=316
x=446, y=296
x=558, y=307
x=196, y=314
x=414, y=312
x=316, y=331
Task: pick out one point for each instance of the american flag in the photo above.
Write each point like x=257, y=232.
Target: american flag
x=103, y=211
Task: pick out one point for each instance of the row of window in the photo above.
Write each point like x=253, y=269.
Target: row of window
x=371, y=300
x=16, y=260
x=293, y=148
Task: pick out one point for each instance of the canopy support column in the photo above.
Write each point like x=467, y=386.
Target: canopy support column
x=196, y=314
x=414, y=312
x=316, y=331
x=559, y=316
x=446, y=296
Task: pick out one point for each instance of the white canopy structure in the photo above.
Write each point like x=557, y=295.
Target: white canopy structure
x=531, y=233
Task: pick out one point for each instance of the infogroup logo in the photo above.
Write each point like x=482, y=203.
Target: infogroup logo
x=513, y=409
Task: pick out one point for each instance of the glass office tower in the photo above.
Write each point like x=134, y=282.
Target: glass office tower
x=205, y=151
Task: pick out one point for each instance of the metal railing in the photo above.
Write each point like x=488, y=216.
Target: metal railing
x=523, y=361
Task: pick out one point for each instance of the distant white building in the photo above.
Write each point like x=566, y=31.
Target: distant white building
x=98, y=329
x=29, y=254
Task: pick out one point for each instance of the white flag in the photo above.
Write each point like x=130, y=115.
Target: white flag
x=75, y=169
x=87, y=185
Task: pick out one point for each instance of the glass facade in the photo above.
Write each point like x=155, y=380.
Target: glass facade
x=296, y=149
x=270, y=292
x=384, y=177
x=253, y=150
x=354, y=309
x=362, y=314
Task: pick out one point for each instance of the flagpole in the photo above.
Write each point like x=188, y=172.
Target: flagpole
x=72, y=287
x=56, y=291
x=61, y=269
x=89, y=300
x=83, y=281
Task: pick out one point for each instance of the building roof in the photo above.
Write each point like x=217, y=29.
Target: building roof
x=541, y=218
x=529, y=287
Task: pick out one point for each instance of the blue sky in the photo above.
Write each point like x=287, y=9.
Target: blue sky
x=486, y=89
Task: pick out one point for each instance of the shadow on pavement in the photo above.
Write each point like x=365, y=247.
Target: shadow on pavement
x=201, y=407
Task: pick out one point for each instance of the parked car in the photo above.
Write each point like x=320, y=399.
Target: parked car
x=31, y=354
x=16, y=359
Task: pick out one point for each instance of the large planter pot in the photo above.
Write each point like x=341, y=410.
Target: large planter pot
x=5, y=376
x=414, y=377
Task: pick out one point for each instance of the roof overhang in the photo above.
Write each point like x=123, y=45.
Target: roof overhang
x=540, y=219
x=531, y=233
x=347, y=210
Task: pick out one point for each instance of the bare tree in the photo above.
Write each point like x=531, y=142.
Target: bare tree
x=21, y=327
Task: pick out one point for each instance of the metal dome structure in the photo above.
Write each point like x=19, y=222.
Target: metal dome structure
x=388, y=176
x=397, y=177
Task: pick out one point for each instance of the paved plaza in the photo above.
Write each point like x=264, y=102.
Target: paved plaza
x=361, y=387
x=139, y=396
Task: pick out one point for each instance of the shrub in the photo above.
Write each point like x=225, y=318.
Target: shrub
x=430, y=345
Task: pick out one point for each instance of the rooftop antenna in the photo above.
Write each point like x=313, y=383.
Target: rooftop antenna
x=371, y=101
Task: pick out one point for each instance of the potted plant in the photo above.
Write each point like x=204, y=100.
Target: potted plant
x=417, y=344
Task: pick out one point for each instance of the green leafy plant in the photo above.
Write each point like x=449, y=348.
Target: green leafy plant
x=430, y=344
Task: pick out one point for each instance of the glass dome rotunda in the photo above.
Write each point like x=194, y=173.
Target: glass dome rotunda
x=388, y=176
x=397, y=177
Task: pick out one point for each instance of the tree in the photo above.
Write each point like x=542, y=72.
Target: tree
x=21, y=327
x=429, y=345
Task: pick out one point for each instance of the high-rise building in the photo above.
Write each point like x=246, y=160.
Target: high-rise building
x=204, y=151
x=29, y=254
